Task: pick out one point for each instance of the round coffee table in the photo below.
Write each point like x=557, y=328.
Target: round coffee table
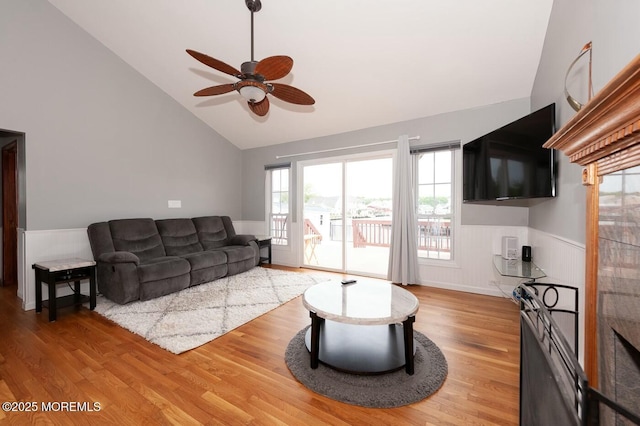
x=363, y=328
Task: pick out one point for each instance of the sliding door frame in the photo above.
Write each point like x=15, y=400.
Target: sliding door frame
x=343, y=159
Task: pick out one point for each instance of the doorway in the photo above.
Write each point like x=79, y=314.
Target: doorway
x=13, y=207
x=346, y=211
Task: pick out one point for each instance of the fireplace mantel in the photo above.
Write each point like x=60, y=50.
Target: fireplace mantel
x=604, y=137
x=606, y=130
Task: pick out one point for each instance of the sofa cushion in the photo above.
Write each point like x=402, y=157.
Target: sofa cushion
x=162, y=268
x=179, y=236
x=138, y=236
x=238, y=253
x=211, y=231
x=206, y=259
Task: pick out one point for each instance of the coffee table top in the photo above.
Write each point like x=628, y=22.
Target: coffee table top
x=364, y=303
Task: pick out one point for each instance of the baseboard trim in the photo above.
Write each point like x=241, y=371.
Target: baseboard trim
x=465, y=289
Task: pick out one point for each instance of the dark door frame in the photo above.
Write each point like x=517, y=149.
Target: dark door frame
x=10, y=214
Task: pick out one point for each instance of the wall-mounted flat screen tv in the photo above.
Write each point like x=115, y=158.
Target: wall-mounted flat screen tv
x=510, y=162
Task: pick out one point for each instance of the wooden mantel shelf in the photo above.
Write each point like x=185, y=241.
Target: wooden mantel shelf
x=606, y=129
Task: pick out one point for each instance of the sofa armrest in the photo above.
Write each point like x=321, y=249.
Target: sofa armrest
x=241, y=240
x=119, y=257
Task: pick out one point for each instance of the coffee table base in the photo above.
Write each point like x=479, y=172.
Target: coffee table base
x=361, y=349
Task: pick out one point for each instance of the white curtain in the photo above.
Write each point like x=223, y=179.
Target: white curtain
x=403, y=256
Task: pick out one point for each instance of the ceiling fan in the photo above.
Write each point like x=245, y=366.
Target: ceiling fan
x=255, y=77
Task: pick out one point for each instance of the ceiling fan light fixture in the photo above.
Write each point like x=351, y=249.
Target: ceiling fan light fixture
x=254, y=85
x=252, y=94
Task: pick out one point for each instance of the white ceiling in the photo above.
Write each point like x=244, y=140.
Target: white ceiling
x=366, y=62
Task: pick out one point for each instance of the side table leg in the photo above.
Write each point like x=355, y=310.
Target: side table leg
x=407, y=326
x=53, y=308
x=38, y=292
x=315, y=339
x=92, y=289
x=76, y=291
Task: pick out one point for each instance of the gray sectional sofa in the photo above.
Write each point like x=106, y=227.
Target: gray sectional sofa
x=140, y=259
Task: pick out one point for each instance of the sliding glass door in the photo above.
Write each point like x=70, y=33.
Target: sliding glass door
x=368, y=212
x=322, y=216
x=347, y=215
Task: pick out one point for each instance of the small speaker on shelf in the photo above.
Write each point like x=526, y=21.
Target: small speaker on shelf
x=509, y=247
x=526, y=253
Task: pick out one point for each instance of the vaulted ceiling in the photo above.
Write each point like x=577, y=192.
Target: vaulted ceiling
x=366, y=63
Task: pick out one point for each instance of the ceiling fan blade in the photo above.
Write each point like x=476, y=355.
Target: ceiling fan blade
x=274, y=67
x=291, y=94
x=214, y=63
x=215, y=90
x=261, y=108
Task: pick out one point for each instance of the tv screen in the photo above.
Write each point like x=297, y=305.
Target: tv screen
x=510, y=162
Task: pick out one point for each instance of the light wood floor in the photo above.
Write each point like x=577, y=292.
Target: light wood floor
x=241, y=377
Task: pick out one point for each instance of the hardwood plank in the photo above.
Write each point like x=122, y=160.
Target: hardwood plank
x=241, y=377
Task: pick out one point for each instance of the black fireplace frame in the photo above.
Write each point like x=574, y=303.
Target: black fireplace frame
x=553, y=386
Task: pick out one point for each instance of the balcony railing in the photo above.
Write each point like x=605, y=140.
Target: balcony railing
x=371, y=232
x=433, y=234
x=279, y=229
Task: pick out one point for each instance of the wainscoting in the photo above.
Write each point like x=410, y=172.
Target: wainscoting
x=472, y=271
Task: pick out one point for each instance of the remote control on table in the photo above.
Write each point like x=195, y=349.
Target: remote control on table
x=348, y=281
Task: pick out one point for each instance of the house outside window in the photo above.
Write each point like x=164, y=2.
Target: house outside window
x=434, y=174
x=278, y=202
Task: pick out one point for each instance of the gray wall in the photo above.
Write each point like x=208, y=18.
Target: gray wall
x=102, y=142
x=460, y=125
x=611, y=26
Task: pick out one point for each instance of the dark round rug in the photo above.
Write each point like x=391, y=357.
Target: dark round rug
x=378, y=391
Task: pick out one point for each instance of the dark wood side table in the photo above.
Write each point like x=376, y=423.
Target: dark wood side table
x=54, y=272
x=264, y=241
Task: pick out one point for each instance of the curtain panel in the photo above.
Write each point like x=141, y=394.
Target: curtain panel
x=403, y=255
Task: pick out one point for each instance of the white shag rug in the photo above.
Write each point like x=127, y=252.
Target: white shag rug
x=192, y=317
